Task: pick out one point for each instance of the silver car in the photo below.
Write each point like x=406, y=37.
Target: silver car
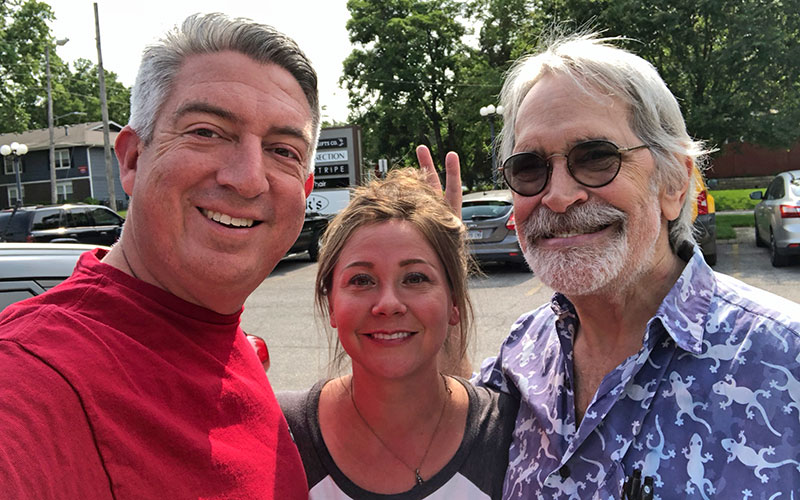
x=778, y=217
x=30, y=269
x=491, y=230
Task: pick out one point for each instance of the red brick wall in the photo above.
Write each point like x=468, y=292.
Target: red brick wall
x=746, y=160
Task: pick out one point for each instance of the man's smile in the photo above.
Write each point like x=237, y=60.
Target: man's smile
x=228, y=220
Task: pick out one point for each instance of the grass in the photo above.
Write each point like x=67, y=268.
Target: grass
x=123, y=213
x=726, y=223
x=733, y=199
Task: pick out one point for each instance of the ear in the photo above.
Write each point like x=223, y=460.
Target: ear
x=331, y=315
x=672, y=199
x=309, y=184
x=455, y=316
x=128, y=147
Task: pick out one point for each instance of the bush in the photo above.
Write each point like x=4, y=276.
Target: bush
x=733, y=199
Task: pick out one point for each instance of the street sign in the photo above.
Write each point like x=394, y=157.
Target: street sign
x=332, y=143
x=339, y=169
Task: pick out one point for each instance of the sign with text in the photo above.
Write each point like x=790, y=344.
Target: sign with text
x=339, y=169
x=332, y=143
x=329, y=201
x=331, y=182
x=337, y=163
x=331, y=156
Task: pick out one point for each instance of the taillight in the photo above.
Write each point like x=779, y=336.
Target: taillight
x=702, y=203
x=29, y=239
x=510, y=224
x=789, y=211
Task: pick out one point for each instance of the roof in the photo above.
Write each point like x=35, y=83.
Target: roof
x=79, y=134
x=495, y=195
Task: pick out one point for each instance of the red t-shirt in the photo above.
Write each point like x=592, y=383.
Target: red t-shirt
x=113, y=388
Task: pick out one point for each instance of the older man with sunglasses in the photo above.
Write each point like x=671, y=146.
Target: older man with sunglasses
x=647, y=375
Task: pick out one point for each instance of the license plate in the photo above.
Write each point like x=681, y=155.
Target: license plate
x=474, y=235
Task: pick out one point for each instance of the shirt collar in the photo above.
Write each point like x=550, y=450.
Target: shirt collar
x=683, y=311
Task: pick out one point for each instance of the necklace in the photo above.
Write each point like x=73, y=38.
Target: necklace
x=416, y=469
x=127, y=262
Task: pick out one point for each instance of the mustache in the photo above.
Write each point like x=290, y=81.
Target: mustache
x=587, y=217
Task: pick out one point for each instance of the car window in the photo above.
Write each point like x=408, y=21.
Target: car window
x=78, y=217
x=484, y=209
x=775, y=189
x=105, y=217
x=46, y=219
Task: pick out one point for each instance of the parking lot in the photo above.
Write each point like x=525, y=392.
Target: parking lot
x=281, y=309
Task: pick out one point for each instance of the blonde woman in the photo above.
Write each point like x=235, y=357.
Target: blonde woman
x=392, y=281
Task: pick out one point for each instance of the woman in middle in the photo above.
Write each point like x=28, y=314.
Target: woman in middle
x=392, y=280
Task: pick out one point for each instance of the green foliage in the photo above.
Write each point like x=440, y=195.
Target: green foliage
x=726, y=223
x=733, y=199
x=24, y=35
x=417, y=75
x=732, y=65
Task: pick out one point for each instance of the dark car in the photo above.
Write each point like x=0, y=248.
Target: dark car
x=309, y=239
x=777, y=217
x=30, y=269
x=89, y=224
x=491, y=230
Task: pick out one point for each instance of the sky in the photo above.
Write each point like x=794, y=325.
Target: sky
x=126, y=28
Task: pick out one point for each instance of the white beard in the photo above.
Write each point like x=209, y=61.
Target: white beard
x=589, y=269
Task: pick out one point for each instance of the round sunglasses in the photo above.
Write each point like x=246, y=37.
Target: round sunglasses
x=590, y=163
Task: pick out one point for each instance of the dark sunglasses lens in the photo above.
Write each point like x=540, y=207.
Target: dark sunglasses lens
x=525, y=173
x=594, y=163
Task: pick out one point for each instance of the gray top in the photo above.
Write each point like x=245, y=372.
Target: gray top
x=476, y=471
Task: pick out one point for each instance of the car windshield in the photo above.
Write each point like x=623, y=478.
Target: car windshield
x=484, y=209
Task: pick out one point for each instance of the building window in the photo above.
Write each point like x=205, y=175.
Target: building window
x=12, y=195
x=8, y=165
x=62, y=158
x=64, y=191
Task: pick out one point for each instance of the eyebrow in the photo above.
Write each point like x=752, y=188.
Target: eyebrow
x=204, y=107
x=370, y=265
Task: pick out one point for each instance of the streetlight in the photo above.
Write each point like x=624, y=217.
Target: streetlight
x=491, y=112
x=67, y=114
x=16, y=149
x=53, y=193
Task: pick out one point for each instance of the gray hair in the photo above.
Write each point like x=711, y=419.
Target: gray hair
x=210, y=33
x=600, y=68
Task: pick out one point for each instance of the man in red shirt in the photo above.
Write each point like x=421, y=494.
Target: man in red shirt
x=133, y=379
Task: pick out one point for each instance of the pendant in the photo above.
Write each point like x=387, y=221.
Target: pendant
x=419, y=478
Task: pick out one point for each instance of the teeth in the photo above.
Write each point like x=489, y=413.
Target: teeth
x=227, y=219
x=392, y=336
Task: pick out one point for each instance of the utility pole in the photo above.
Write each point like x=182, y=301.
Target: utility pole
x=112, y=199
x=53, y=191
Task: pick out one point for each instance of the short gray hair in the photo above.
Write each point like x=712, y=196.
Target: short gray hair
x=599, y=67
x=209, y=33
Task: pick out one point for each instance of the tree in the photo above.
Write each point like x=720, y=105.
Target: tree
x=23, y=37
x=401, y=75
x=731, y=64
x=23, y=95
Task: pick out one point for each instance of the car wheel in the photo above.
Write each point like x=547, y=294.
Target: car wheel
x=313, y=248
x=777, y=259
x=759, y=241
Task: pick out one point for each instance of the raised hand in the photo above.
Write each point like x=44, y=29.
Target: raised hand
x=452, y=167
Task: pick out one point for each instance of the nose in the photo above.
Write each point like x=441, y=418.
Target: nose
x=388, y=302
x=245, y=171
x=562, y=191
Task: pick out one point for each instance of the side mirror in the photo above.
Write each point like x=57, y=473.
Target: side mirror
x=757, y=195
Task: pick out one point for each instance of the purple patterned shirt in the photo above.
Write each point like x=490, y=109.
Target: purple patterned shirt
x=708, y=408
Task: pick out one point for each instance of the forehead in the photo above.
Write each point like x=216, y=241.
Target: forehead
x=394, y=237
x=250, y=89
x=557, y=112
